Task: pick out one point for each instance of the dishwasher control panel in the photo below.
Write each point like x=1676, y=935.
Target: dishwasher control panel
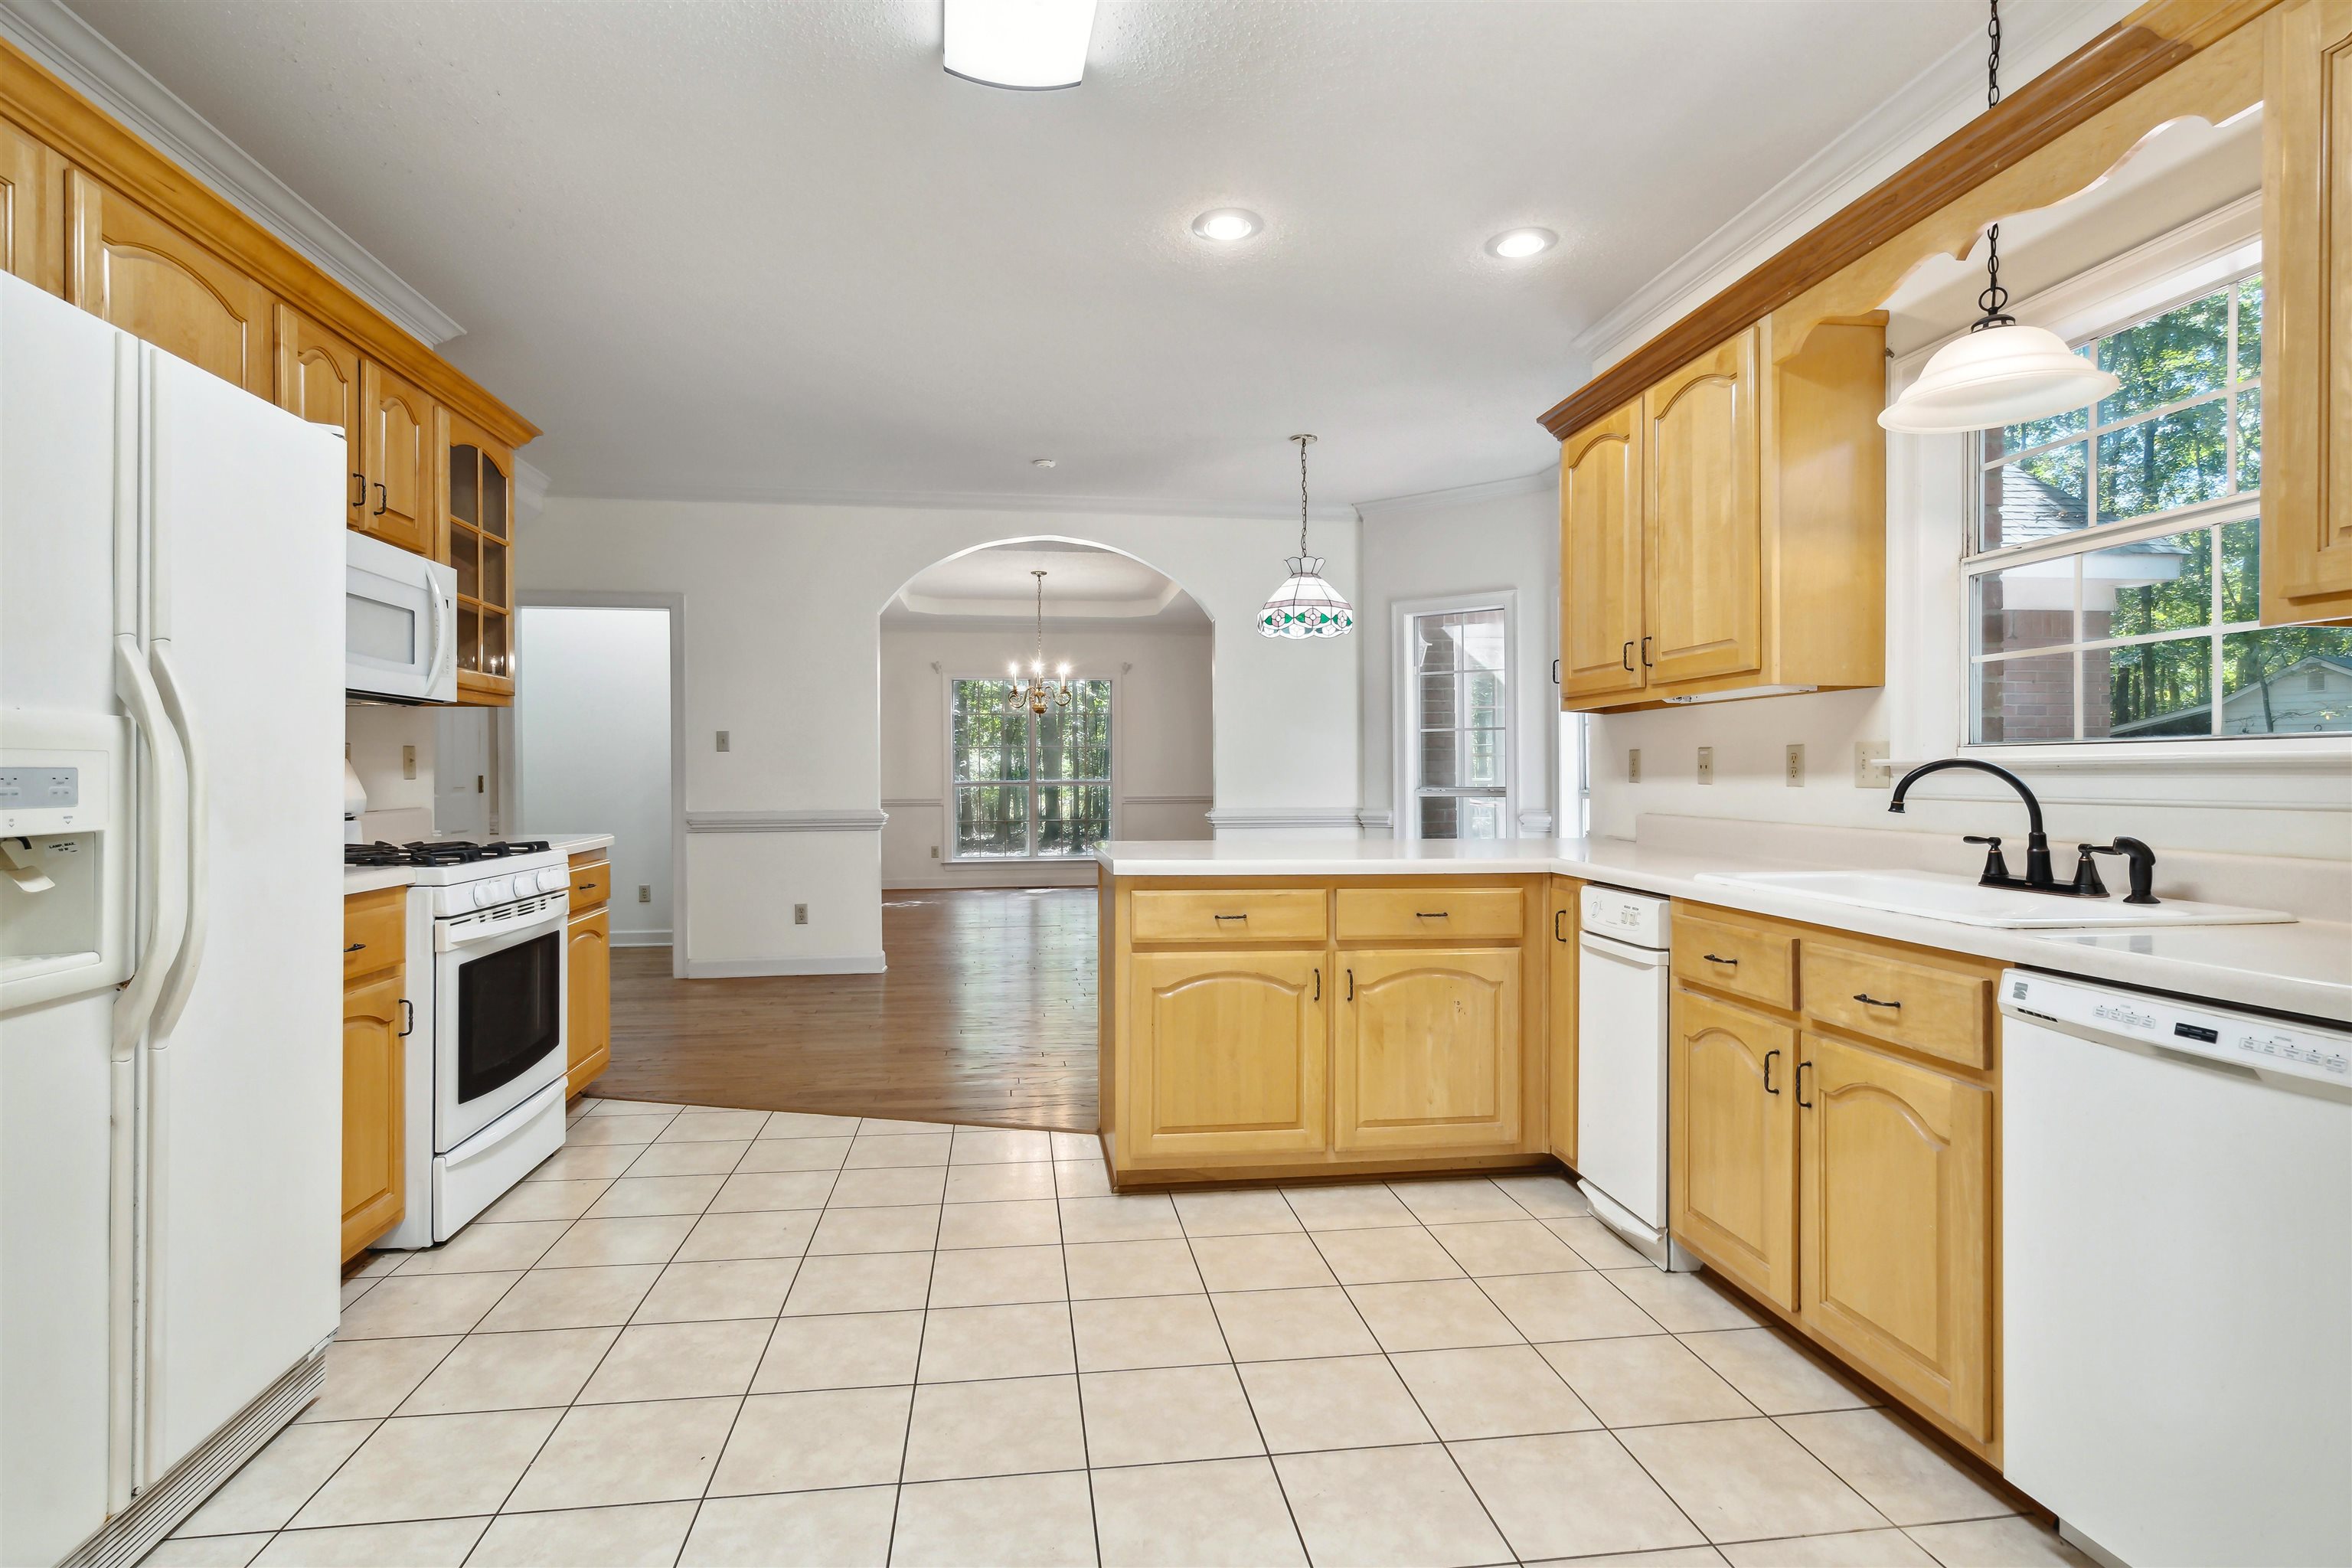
x=2248, y=1040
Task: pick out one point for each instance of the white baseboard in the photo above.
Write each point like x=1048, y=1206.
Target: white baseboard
x=743, y=968
x=983, y=882
x=642, y=938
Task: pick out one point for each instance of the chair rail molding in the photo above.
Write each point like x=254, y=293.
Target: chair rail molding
x=1283, y=816
x=856, y=819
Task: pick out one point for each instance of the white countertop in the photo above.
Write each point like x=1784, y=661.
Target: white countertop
x=2304, y=968
x=368, y=879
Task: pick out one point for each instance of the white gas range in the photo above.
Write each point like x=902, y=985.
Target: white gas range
x=485, y=1102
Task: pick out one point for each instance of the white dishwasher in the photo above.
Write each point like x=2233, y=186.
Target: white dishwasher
x=1621, y=1066
x=2177, y=1275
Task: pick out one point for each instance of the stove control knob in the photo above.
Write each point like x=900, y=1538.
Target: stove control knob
x=553, y=879
x=491, y=890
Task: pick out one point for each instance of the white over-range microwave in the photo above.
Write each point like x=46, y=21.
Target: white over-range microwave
x=400, y=623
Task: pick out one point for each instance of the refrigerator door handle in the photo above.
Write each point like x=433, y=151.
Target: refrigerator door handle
x=182, y=979
x=162, y=830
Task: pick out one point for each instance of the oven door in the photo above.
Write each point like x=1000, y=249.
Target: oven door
x=400, y=623
x=498, y=1014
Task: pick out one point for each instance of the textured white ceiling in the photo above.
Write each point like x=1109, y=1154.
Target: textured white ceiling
x=763, y=249
x=1081, y=584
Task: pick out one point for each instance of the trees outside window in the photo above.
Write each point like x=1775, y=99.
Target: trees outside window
x=1029, y=786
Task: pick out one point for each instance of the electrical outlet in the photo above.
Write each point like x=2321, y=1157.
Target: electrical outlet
x=1795, y=766
x=1871, y=770
x=935, y=852
x=724, y=744
x=800, y=914
x=408, y=762
x=644, y=892
x=1706, y=764
x=1634, y=765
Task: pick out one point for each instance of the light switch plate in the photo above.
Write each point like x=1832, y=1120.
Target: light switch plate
x=723, y=741
x=644, y=892
x=1634, y=765
x=1795, y=766
x=408, y=762
x=1706, y=764
x=1871, y=769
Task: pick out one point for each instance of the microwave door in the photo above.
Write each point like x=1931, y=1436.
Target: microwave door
x=397, y=624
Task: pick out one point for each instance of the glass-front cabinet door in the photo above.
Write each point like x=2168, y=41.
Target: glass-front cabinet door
x=481, y=508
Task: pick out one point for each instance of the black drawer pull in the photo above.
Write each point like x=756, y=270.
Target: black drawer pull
x=584, y=887
x=1867, y=1000
x=355, y=947
x=1429, y=914
x=1229, y=917
x=1711, y=957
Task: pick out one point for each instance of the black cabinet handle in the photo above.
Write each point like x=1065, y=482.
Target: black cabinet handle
x=1429, y=914
x=1867, y=1000
x=1768, y=1071
x=1557, y=916
x=355, y=947
x=1319, y=983
x=1229, y=917
x=1351, y=985
x=1555, y=672
x=1629, y=656
x=584, y=887
x=360, y=480
x=1646, y=653
x=1711, y=957
x=407, y=1017
x=1802, y=1066
x=381, y=500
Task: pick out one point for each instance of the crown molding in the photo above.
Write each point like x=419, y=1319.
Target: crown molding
x=955, y=500
x=86, y=61
x=1939, y=98
x=1541, y=480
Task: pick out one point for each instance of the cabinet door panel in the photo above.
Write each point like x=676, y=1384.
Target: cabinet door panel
x=128, y=268
x=1600, y=557
x=587, y=998
x=1427, y=1053
x=374, y=1086
x=319, y=379
x=396, y=443
x=1230, y=1050
x=1898, y=1225
x=32, y=210
x=1732, y=1175
x=1703, y=511
x=1561, y=1071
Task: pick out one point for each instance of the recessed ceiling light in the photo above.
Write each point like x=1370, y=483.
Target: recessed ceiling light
x=1040, y=462
x=1028, y=45
x=1227, y=224
x=1515, y=243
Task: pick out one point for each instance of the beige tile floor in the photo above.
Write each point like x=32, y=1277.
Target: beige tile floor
x=702, y=1336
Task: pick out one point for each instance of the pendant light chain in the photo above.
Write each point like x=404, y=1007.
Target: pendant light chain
x=1995, y=297
x=1302, y=441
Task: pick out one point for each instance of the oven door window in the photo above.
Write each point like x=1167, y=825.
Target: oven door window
x=509, y=1012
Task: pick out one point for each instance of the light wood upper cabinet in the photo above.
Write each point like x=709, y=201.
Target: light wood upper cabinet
x=32, y=210
x=588, y=998
x=1229, y=1053
x=319, y=379
x=1600, y=554
x=1702, y=519
x=480, y=473
x=2307, y=559
x=1427, y=1049
x=152, y=280
x=1898, y=1225
x=1560, y=948
x=1732, y=1148
x=374, y=1094
x=396, y=451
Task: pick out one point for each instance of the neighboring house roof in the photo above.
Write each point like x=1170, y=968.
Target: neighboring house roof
x=2198, y=721
x=2033, y=510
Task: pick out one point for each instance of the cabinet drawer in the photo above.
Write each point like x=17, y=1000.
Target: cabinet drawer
x=591, y=885
x=1944, y=1012
x=1755, y=961
x=1255, y=914
x=375, y=931
x=1451, y=914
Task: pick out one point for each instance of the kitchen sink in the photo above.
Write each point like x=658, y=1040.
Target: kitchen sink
x=1942, y=897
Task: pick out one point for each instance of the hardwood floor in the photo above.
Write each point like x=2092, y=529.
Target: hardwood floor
x=987, y=1014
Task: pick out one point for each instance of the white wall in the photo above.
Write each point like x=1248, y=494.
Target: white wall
x=1161, y=740
x=1465, y=542
x=400, y=809
x=592, y=747
x=782, y=649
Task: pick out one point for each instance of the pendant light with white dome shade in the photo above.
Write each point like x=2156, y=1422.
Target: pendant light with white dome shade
x=2001, y=373
x=1305, y=605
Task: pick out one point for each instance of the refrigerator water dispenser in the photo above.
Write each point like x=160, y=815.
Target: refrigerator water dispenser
x=64, y=854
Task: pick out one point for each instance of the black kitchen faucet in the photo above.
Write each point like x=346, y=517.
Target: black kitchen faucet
x=2037, y=877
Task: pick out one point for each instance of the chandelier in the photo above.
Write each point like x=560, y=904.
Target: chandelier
x=1305, y=605
x=1036, y=691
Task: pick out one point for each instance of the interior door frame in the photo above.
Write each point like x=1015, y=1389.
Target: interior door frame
x=511, y=764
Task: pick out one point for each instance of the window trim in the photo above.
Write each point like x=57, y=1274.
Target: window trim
x=948, y=856
x=1405, y=720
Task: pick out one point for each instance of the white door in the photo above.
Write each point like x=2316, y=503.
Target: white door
x=243, y=1075
x=1620, y=1076
x=461, y=772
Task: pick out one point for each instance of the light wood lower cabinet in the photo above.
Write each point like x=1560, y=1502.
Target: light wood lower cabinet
x=1560, y=1019
x=588, y=973
x=1732, y=1143
x=374, y=1091
x=1896, y=1218
x=1229, y=1054
x=1426, y=1053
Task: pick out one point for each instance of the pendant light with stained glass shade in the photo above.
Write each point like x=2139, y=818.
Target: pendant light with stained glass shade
x=1305, y=605
x=2000, y=373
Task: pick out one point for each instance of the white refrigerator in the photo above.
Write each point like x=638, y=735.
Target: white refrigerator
x=170, y=721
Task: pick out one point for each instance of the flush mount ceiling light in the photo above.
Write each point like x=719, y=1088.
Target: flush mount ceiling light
x=1227, y=224
x=1515, y=243
x=1040, y=462
x=1305, y=605
x=1032, y=46
x=2001, y=373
